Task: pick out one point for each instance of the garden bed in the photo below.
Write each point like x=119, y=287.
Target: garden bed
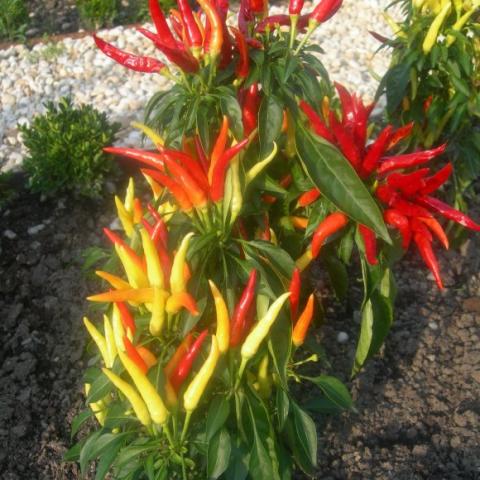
x=418, y=407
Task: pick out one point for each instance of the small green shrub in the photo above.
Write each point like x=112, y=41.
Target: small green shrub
x=65, y=149
x=98, y=13
x=13, y=18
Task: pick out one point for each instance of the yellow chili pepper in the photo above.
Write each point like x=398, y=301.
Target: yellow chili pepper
x=197, y=386
x=237, y=197
x=118, y=330
x=157, y=189
x=177, y=278
x=125, y=217
x=137, y=295
x=98, y=408
x=396, y=28
x=157, y=319
x=110, y=341
x=432, y=34
x=460, y=23
x=132, y=396
x=264, y=379
x=154, y=268
x=223, y=320
x=129, y=196
x=156, y=139
x=136, y=276
x=258, y=167
x=261, y=329
x=151, y=397
x=99, y=339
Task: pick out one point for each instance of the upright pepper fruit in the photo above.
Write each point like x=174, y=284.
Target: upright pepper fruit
x=223, y=321
x=303, y=323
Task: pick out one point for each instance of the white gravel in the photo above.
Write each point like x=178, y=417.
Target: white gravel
x=28, y=78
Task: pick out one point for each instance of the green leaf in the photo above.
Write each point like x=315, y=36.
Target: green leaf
x=306, y=434
x=280, y=346
x=108, y=456
x=79, y=420
x=270, y=117
x=396, y=83
x=231, y=108
x=334, y=390
x=73, y=454
x=99, y=389
x=219, y=449
x=217, y=415
x=283, y=407
x=322, y=405
x=331, y=172
x=338, y=275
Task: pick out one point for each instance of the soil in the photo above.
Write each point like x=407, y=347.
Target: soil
x=417, y=403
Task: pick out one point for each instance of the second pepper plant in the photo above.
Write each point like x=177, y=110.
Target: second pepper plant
x=204, y=334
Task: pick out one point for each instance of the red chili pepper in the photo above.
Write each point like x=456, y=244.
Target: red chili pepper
x=448, y=212
x=160, y=23
x=347, y=102
x=370, y=243
x=239, y=321
x=176, y=54
x=134, y=355
x=400, y=134
x=215, y=39
x=323, y=11
x=245, y=16
x=399, y=221
x=294, y=289
x=180, y=352
x=375, y=150
x=148, y=158
x=427, y=103
x=332, y=224
x=257, y=6
x=436, y=229
x=160, y=225
x=201, y=153
x=426, y=252
x=116, y=240
x=434, y=182
x=281, y=20
x=345, y=141
x=218, y=177
x=266, y=234
x=243, y=65
x=190, y=164
x=163, y=256
x=178, y=25
x=175, y=189
x=129, y=60
x=316, y=122
x=194, y=192
x=410, y=209
x=126, y=318
x=309, y=197
x=184, y=367
x=409, y=183
x=409, y=160
x=386, y=194
x=295, y=7
x=250, y=107
x=193, y=34
x=219, y=147
x=222, y=7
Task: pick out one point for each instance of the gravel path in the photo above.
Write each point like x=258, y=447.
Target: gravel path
x=75, y=67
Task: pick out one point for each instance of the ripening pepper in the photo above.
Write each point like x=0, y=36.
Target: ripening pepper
x=135, y=274
x=330, y=225
x=294, y=289
x=151, y=397
x=134, y=356
x=109, y=340
x=303, y=323
x=99, y=339
x=177, y=277
x=138, y=405
x=154, y=269
x=215, y=39
x=195, y=389
x=157, y=319
x=260, y=330
x=223, y=320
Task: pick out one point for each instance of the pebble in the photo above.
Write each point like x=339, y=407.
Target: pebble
x=76, y=66
x=36, y=229
x=433, y=325
x=342, y=337
x=11, y=235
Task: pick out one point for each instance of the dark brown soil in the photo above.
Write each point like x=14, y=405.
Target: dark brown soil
x=418, y=403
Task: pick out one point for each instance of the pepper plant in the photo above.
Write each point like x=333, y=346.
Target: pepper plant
x=259, y=168
x=434, y=81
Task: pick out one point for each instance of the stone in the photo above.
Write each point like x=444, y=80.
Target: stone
x=36, y=229
x=342, y=337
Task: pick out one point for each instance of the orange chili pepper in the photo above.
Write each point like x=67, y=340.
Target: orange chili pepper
x=303, y=323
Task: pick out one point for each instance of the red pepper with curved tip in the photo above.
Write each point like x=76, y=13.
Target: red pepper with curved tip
x=194, y=192
x=134, y=355
x=126, y=318
x=176, y=54
x=425, y=248
x=376, y=150
x=370, y=244
x=332, y=224
x=148, y=158
x=116, y=240
x=294, y=289
x=159, y=223
x=347, y=102
x=215, y=36
x=160, y=23
x=307, y=198
x=220, y=171
x=178, y=25
x=184, y=367
x=344, y=141
x=175, y=189
x=400, y=134
x=448, y=212
x=193, y=34
x=219, y=147
x=240, y=317
x=129, y=60
x=437, y=230
x=399, y=221
x=409, y=183
x=316, y=122
x=201, y=153
x=295, y=7
x=324, y=11
x=409, y=159
x=434, y=182
x=250, y=107
x=243, y=65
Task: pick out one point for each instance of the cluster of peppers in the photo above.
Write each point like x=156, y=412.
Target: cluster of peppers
x=401, y=182
x=156, y=283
